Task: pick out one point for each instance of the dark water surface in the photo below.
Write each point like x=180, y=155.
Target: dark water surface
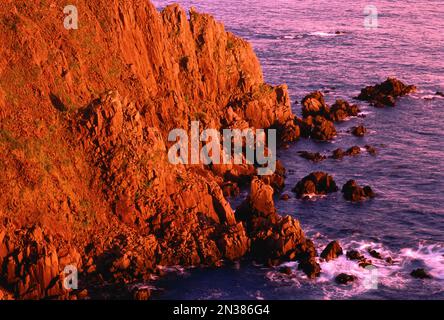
x=297, y=45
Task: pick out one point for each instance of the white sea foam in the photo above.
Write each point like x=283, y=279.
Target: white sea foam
x=393, y=274
x=323, y=34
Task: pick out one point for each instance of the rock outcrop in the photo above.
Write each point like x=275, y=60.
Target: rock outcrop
x=84, y=141
x=341, y=110
x=316, y=183
x=331, y=251
x=274, y=239
x=353, y=192
x=386, y=93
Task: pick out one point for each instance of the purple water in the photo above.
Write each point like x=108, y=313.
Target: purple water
x=297, y=45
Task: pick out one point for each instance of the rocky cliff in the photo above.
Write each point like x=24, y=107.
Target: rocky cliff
x=84, y=119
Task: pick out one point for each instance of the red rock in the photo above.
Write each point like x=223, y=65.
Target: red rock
x=332, y=251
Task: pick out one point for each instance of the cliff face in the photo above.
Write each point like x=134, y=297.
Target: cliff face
x=85, y=116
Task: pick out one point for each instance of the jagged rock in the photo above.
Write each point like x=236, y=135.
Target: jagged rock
x=385, y=94
x=354, y=255
x=314, y=105
x=341, y=110
x=316, y=127
x=344, y=278
x=274, y=239
x=33, y=269
x=353, y=192
x=323, y=129
x=310, y=267
x=359, y=131
x=315, y=183
x=331, y=251
x=315, y=157
x=420, y=274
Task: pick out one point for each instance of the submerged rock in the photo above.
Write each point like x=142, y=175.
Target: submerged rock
x=332, y=251
x=371, y=150
x=353, y=192
x=286, y=270
x=338, y=154
x=375, y=254
x=354, y=255
x=353, y=151
x=385, y=94
x=420, y=274
x=344, y=278
x=315, y=157
x=359, y=131
x=315, y=183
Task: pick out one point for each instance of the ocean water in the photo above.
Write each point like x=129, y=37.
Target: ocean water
x=297, y=44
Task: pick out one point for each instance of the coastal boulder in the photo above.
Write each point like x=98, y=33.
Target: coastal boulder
x=274, y=239
x=386, y=93
x=314, y=104
x=331, y=251
x=353, y=192
x=315, y=183
x=359, y=131
x=344, y=278
x=341, y=110
x=323, y=129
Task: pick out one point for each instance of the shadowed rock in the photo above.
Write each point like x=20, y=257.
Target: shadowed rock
x=274, y=239
x=331, y=251
x=315, y=183
x=315, y=157
x=420, y=274
x=344, y=278
x=353, y=192
x=386, y=93
x=359, y=131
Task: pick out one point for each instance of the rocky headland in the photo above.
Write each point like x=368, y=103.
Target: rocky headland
x=84, y=122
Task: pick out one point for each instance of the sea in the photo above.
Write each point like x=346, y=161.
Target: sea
x=339, y=47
